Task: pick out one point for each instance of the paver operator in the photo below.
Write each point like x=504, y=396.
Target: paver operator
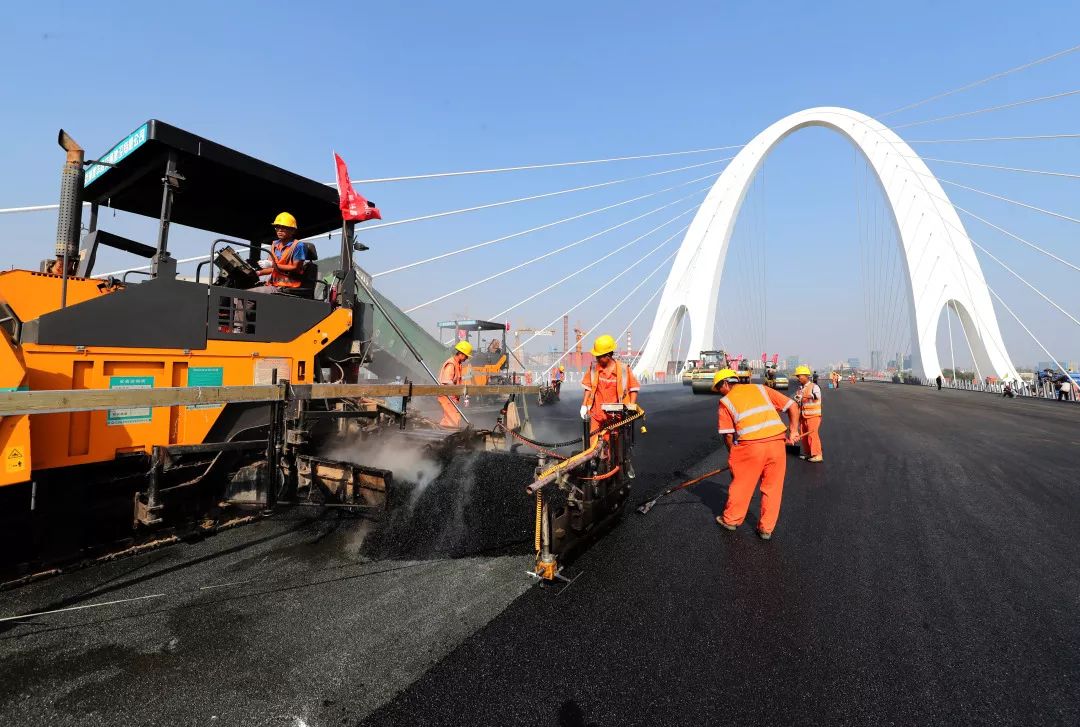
x=808, y=397
x=287, y=258
x=606, y=382
x=754, y=435
x=450, y=375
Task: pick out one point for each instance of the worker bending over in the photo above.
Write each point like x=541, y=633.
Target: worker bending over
x=288, y=257
x=557, y=379
x=450, y=375
x=754, y=435
x=808, y=397
x=606, y=382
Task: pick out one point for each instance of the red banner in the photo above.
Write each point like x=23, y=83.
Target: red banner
x=353, y=205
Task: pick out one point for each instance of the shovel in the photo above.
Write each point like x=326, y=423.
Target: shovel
x=644, y=509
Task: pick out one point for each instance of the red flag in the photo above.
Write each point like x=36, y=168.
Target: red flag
x=353, y=205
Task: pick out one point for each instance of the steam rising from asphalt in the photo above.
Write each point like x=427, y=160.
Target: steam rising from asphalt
x=407, y=460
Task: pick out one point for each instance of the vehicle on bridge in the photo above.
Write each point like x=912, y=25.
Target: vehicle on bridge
x=781, y=381
x=490, y=362
x=701, y=375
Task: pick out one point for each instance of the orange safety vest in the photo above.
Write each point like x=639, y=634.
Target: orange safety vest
x=809, y=400
x=622, y=384
x=286, y=274
x=754, y=414
x=455, y=373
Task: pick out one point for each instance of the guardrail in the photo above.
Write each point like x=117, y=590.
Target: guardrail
x=14, y=403
x=1023, y=389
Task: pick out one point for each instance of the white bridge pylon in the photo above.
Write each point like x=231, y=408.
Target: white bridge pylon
x=939, y=261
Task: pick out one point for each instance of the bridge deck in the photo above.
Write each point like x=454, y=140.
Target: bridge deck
x=925, y=573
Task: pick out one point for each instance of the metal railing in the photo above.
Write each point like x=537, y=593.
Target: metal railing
x=1022, y=389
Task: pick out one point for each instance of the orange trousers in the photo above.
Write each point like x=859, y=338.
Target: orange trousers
x=753, y=462
x=450, y=418
x=811, y=439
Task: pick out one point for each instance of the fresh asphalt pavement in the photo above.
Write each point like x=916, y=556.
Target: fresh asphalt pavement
x=924, y=573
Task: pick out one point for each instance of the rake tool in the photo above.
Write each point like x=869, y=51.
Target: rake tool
x=644, y=509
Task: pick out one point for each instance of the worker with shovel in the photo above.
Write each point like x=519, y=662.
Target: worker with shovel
x=754, y=435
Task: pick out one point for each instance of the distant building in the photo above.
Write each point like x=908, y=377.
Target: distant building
x=1045, y=365
x=791, y=362
x=907, y=362
x=853, y=363
x=877, y=361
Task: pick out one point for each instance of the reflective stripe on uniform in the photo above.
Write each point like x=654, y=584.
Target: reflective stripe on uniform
x=750, y=412
x=753, y=413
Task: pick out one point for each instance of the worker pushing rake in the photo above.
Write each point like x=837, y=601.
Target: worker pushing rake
x=750, y=426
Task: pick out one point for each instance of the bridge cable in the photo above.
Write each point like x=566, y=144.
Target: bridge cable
x=988, y=138
x=998, y=166
x=197, y=258
x=617, y=305
x=1018, y=203
x=1002, y=230
x=1020, y=278
x=974, y=84
x=1013, y=104
x=545, y=195
x=497, y=170
x=486, y=243
x=645, y=305
x=626, y=270
x=438, y=175
x=554, y=252
x=1028, y=330
x=592, y=264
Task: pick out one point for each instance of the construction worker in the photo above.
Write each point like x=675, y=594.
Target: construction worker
x=288, y=258
x=557, y=379
x=450, y=375
x=808, y=397
x=754, y=435
x=607, y=382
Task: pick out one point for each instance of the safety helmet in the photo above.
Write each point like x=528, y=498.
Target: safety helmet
x=803, y=370
x=464, y=347
x=724, y=375
x=562, y=368
x=285, y=220
x=603, y=344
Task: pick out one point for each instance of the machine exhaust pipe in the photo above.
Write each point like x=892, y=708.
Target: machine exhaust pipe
x=69, y=220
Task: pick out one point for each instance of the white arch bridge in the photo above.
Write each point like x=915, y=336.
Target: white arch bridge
x=940, y=266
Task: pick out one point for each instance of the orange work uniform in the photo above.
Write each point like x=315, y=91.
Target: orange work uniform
x=450, y=375
x=750, y=412
x=809, y=400
x=611, y=384
x=287, y=264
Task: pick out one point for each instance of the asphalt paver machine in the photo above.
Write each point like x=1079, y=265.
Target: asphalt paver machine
x=74, y=478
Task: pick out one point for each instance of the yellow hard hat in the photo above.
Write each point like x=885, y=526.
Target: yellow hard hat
x=724, y=375
x=285, y=220
x=603, y=344
x=562, y=368
x=464, y=347
x=803, y=370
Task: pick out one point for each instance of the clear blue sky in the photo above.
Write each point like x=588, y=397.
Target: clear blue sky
x=406, y=88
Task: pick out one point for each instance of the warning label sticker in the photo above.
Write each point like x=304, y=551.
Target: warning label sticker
x=14, y=459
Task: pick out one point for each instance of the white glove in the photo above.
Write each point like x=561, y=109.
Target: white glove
x=584, y=412
x=264, y=264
